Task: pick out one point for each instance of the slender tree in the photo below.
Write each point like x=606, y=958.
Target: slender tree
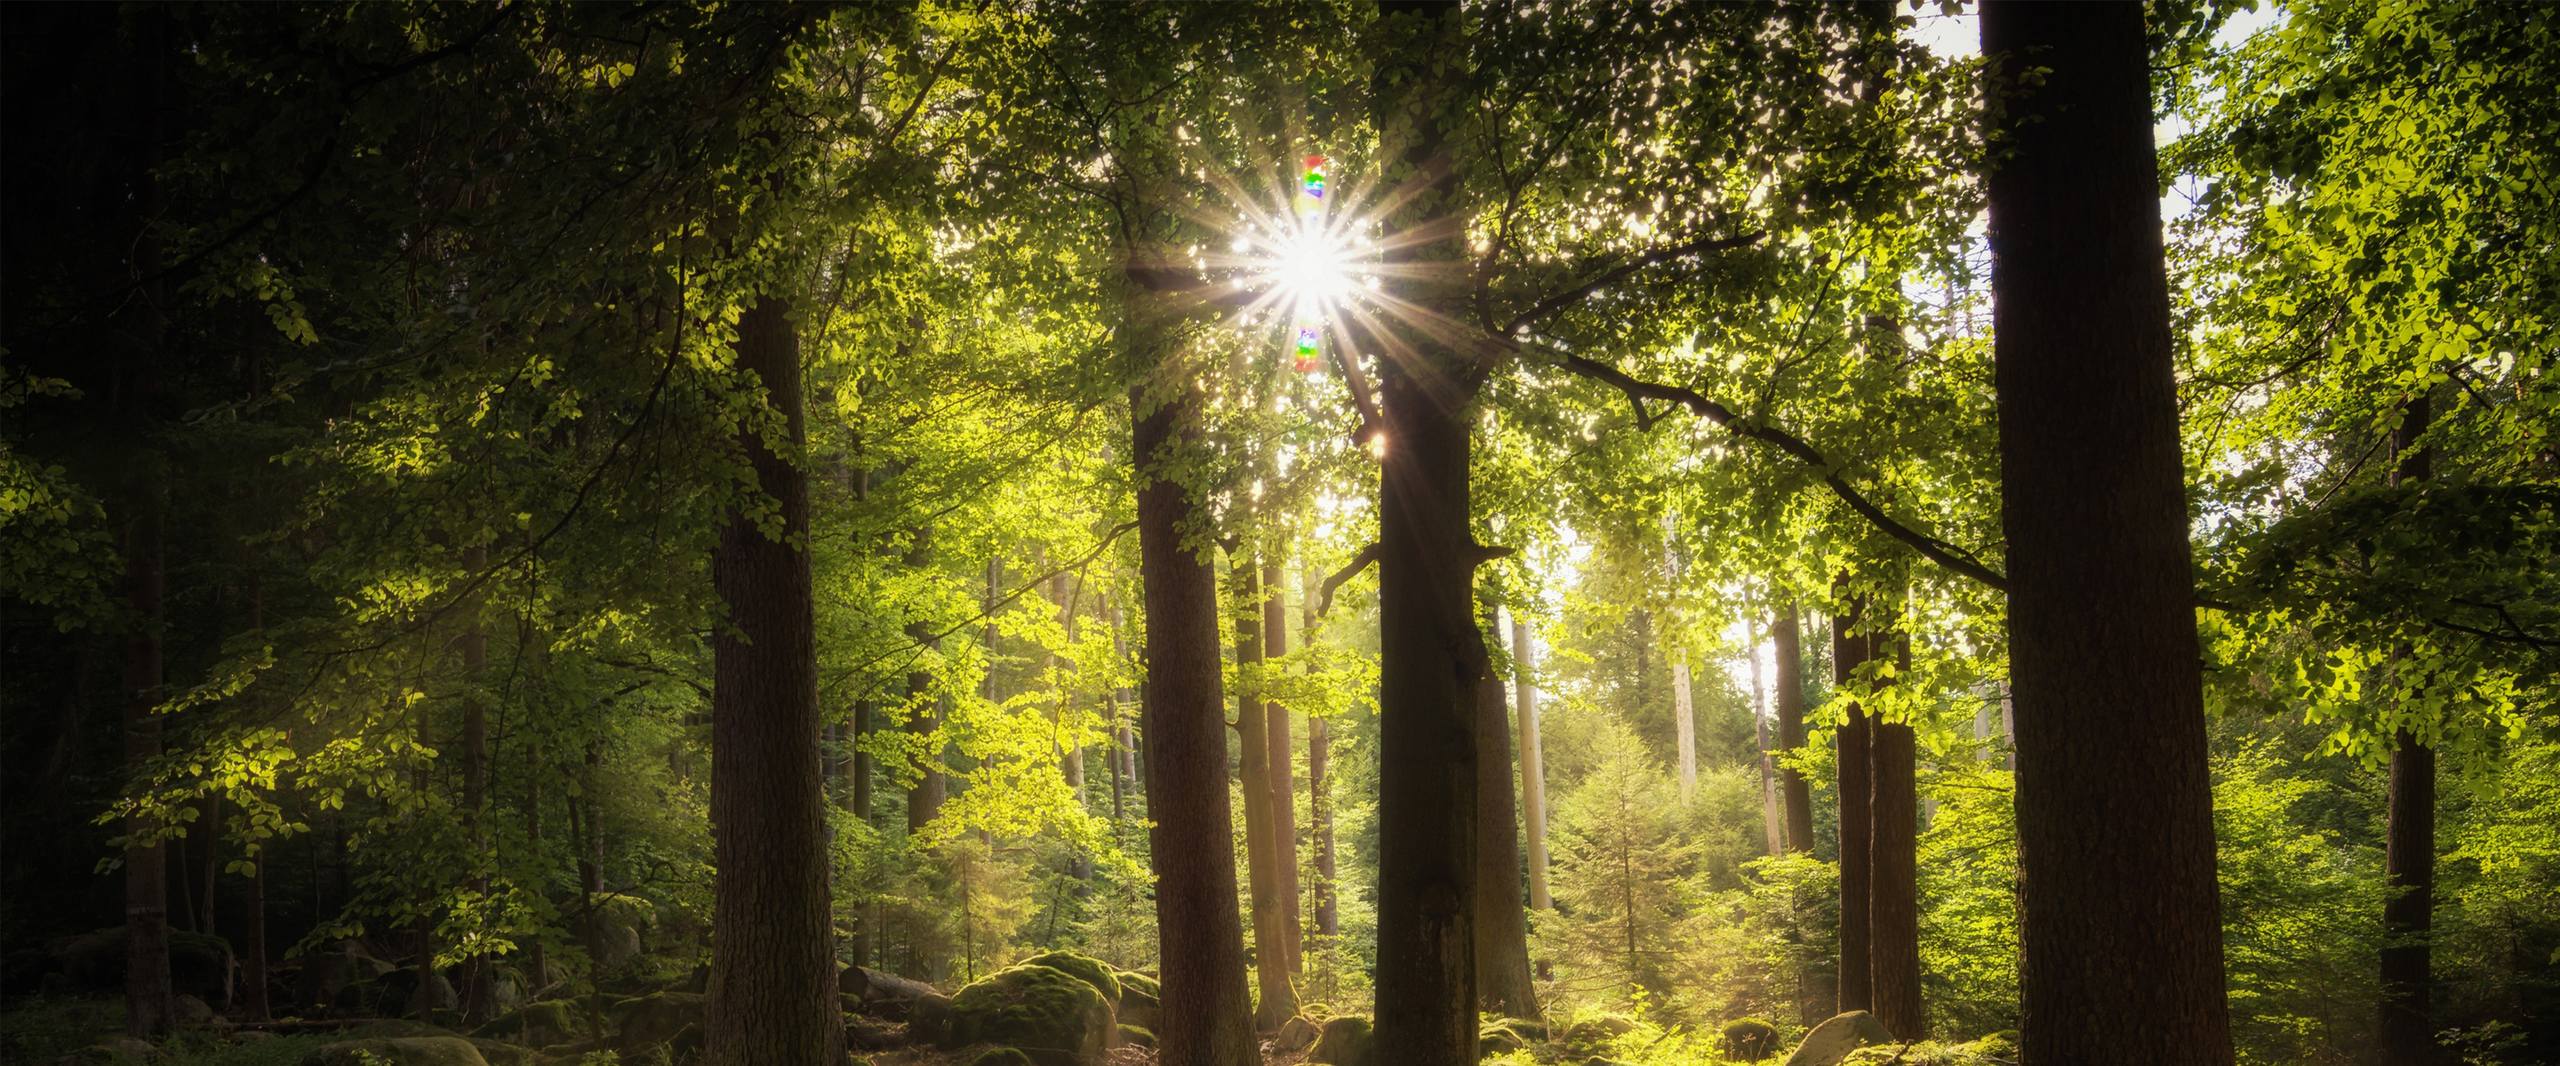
x=1787, y=705
x=1533, y=783
x=2409, y=837
x=2120, y=924
x=1278, y=752
x=1503, y=984
x=1277, y=1001
x=1851, y=647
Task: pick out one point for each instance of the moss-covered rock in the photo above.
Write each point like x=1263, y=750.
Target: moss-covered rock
x=1056, y=1018
x=1344, y=1041
x=1830, y=1043
x=1084, y=968
x=656, y=1018
x=1989, y=1051
x=1497, y=1035
x=1594, y=1034
x=1003, y=1056
x=398, y=1051
x=119, y=1050
x=199, y=965
x=542, y=1024
x=929, y=1018
x=1295, y=1035
x=1137, y=1034
x=501, y=1053
x=1750, y=1039
x=1141, y=1001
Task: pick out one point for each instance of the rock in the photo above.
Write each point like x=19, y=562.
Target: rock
x=656, y=1018
x=114, y=1049
x=863, y=1033
x=1343, y=1042
x=1295, y=1035
x=1830, y=1043
x=884, y=994
x=929, y=1018
x=1084, y=968
x=1498, y=1035
x=535, y=1024
x=191, y=1011
x=1054, y=1017
x=501, y=1053
x=1003, y=1056
x=1139, y=1002
x=1595, y=1034
x=1137, y=1034
x=398, y=1051
x=1750, y=1039
x=199, y=965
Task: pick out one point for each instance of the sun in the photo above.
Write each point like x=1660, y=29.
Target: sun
x=1309, y=267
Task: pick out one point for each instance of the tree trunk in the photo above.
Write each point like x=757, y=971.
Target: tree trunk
x=538, y=959
x=924, y=798
x=1773, y=838
x=1430, y=653
x=1851, y=646
x=1893, y=908
x=477, y=1001
x=1533, y=774
x=1684, y=724
x=1207, y=1017
x=773, y=966
x=1503, y=984
x=149, y=1005
x=1284, y=792
x=2120, y=923
x=255, y=1005
x=1278, y=1001
x=1070, y=754
x=2409, y=841
x=1788, y=707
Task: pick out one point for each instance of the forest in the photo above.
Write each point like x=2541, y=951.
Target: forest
x=1362, y=532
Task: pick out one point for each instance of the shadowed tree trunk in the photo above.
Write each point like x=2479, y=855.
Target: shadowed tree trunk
x=1851, y=646
x=1284, y=798
x=150, y=1008
x=2409, y=840
x=478, y=1002
x=2120, y=922
x=1502, y=924
x=1207, y=1017
x=1533, y=774
x=773, y=967
x=1430, y=653
x=1787, y=705
x=1277, y=1001
x=924, y=798
x=1893, y=907
x=1319, y=784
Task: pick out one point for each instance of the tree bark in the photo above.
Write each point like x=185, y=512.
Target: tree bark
x=2409, y=840
x=1431, y=656
x=1684, y=724
x=2120, y=923
x=924, y=798
x=1207, y=1017
x=1788, y=708
x=1282, y=781
x=1893, y=907
x=1277, y=1001
x=1319, y=781
x=150, y=1007
x=1503, y=984
x=773, y=967
x=1533, y=774
x=478, y=1003
x=1851, y=647
x=1773, y=837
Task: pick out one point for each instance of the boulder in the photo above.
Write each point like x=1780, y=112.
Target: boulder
x=1140, y=1004
x=1594, y=1035
x=864, y=1033
x=1991, y=1050
x=325, y=973
x=114, y=1049
x=540, y=1024
x=1830, y=1043
x=1084, y=968
x=1750, y=1039
x=1055, y=1018
x=656, y=1018
x=190, y=1010
x=1003, y=1056
x=501, y=1053
x=884, y=994
x=1497, y=1035
x=199, y=965
x=398, y=1051
x=1295, y=1035
x=929, y=1018
x=1344, y=1041
x=1138, y=1035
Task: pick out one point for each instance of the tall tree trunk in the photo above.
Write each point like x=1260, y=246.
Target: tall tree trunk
x=1684, y=724
x=149, y=1005
x=1773, y=837
x=2120, y=923
x=478, y=1003
x=1503, y=984
x=1207, y=1017
x=1319, y=779
x=1278, y=1001
x=2409, y=839
x=1533, y=773
x=924, y=798
x=1284, y=792
x=1788, y=651
x=1070, y=752
x=255, y=1005
x=773, y=964
x=1430, y=653
x=1893, y=907
x=1851, y=646
x=537, y=958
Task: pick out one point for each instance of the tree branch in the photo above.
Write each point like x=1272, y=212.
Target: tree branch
x=1613, y=273
x=1360, y=562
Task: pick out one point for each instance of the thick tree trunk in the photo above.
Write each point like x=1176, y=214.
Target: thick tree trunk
x=1277, y=1001
x=1851, y=646
x=149, y=1005
x=1503, y=984
x=1282, y=781
x=1893, y=908
x=773, y=965
x=1431, y=656
x=1533, y=774
x=1207, y=1017
x=1788, y=707
x=2409, y=842
x=2120, y=923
